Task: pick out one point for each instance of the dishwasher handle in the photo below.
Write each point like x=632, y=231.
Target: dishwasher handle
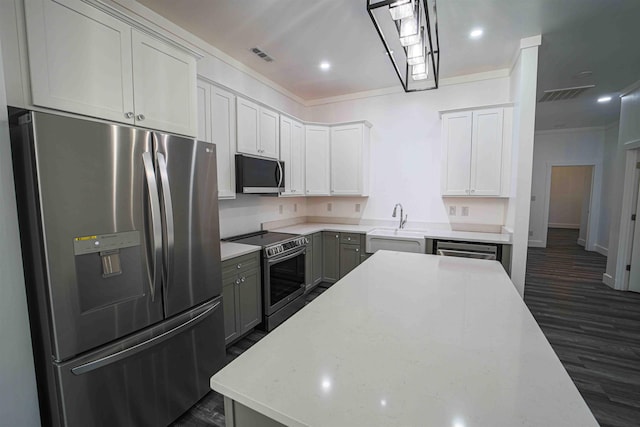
x=467, y=254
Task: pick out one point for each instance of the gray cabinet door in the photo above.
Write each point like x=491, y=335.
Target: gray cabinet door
x=249, y=300
x=349, y=258
x=330, y=256
x=308, y=267
x=229, y=301
x=316, y=259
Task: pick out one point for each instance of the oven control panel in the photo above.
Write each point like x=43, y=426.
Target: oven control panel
x=285, y=247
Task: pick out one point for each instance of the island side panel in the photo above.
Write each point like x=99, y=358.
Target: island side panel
x=238, y=415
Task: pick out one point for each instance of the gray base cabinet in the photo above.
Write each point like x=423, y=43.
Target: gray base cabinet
x=342, y=252
x=241, y=295
x=313, y=260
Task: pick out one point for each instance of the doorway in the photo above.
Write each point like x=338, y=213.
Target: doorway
x=570, y=199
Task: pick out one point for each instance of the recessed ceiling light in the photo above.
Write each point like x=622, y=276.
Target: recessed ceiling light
x=476, y=33
x=324, y=65
x=604, y=99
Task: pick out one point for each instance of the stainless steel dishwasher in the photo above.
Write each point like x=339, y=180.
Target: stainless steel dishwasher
x=468, y=250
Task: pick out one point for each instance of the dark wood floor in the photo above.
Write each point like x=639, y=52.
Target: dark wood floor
x=594, y=330
x=209, y=411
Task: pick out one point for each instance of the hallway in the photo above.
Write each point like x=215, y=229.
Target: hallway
x=594, y=330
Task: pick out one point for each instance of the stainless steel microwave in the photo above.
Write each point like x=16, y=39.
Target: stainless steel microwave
x=259, y=176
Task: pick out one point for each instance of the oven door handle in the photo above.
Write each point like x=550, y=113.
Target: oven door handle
x=479, y=255
x=284, y=258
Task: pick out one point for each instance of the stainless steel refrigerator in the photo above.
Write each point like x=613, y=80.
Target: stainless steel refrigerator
x=119, y=227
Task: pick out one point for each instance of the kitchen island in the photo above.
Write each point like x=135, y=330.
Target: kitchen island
x=406, y=339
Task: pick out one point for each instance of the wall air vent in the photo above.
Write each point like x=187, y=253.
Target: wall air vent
x=261, y=54
x=562, y=94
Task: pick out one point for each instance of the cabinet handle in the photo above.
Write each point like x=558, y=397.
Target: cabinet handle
x=357, y=250
x=348, y=238
x=337, y=236
x=242, y=279
x=129, y=115
x=239, y=265
x=237, y=281
x=473, y=191
x=140, y=117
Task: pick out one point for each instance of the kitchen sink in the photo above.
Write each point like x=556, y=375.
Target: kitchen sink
x=395, y=240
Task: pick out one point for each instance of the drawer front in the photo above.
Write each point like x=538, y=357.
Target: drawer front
x=351, y=238
x=240, y=264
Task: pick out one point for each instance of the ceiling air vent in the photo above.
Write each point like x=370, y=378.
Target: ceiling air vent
x=261, y=54
x=562, y=94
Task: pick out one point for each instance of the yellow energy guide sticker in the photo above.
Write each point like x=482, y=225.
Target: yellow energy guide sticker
x=80, y=239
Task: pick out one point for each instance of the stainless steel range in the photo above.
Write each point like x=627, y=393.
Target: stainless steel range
x=283, y=273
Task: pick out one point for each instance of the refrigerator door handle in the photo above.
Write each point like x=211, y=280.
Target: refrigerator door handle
x=168, y=216
x=152, y=187
x=128, y=352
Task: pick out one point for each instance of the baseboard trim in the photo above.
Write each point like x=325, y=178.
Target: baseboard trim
x=563, y=225
x=582, y=242
x=602, y=250
x=609, y=281
x=536, y=244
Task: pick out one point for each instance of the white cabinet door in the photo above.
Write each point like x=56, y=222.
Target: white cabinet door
x=204, y=111
x=164, y=80
x=292, y=154
x=80, y=60
x=269, y=133
x=456, y=153
x=297, y=159
x=223, y=134
x=486, y=152
x=317, y=159
x=346, y=160
x=248, y=115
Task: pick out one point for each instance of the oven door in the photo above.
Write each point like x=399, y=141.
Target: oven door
x=284, y=280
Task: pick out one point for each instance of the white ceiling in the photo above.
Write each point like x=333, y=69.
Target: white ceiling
x=578, y=35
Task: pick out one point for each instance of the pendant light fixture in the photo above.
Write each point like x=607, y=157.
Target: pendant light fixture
x=409, y=32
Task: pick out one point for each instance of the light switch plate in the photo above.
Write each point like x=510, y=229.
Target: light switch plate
x=280, y=209
x=452, y=211
x=465, y=211
x=357, y=207
x=295, y=207
x=329, y=207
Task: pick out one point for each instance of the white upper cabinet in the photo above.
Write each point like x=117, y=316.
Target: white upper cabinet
x=317, y=160
x=164, y=80
x=80, y=59
x=293, y=156
x=85, y=61
x=217, y=124
x=223, y=134
x=476, y=152
x=350, y=160
x=258, y=130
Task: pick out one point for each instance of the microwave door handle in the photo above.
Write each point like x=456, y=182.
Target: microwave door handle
x=281, y=174
x=154, y=202
x=168, y=217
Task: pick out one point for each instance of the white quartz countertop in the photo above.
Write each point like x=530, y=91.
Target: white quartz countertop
x=230, y=250
x=409, y=340
x=468, y=236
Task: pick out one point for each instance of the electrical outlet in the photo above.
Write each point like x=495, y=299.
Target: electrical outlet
x=295, y=207
x=329, y=207
x=281, y=209
x=465, y=211
x=533, y=198
x=452, y=211
x=357, y=207
x=530, y=233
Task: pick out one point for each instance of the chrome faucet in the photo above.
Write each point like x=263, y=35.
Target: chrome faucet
x=403, y=219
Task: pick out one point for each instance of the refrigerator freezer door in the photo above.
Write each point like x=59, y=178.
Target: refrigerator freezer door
x=147, y=379
x=98, y=233
x=189, y=193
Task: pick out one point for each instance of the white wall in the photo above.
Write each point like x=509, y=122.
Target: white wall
x=623, y=185
x=579, y=147
x=523, y=83
x=18, y=394
x=567, y=194
x=405, y=153
x=610, y=192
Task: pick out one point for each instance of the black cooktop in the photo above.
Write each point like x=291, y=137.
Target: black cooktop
x=261, y=238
